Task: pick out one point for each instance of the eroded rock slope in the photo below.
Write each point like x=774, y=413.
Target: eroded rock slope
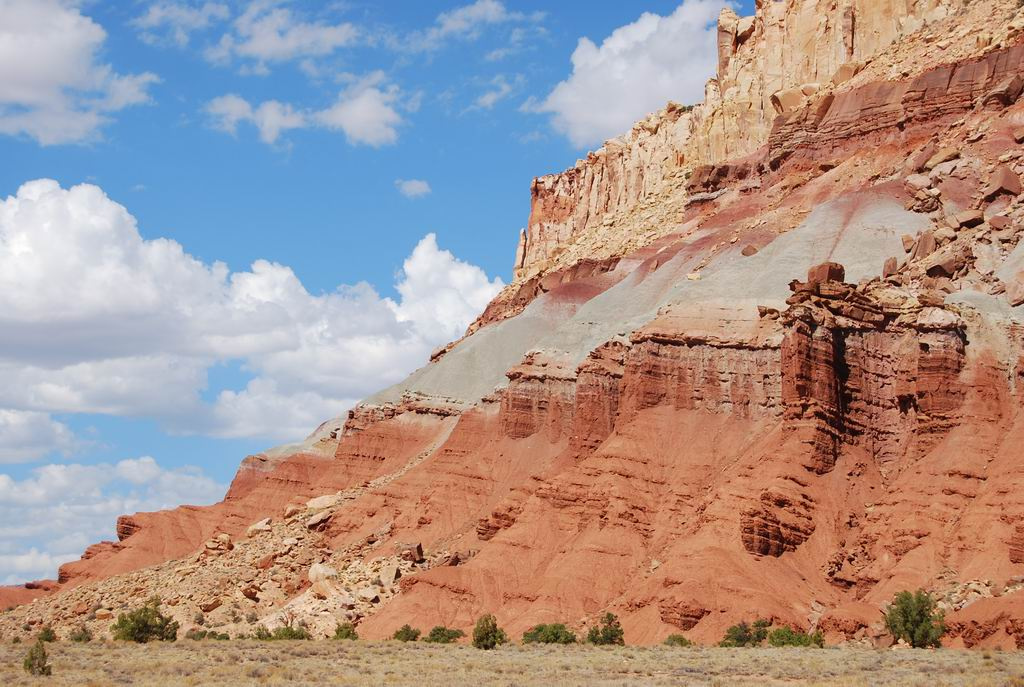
x=762, y=358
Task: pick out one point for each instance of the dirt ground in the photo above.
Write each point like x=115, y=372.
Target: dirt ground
x=394, y=663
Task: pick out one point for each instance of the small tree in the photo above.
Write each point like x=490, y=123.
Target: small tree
x=677, y=640
x=406, y=633
x=608, y=632
x=555, y=633
x=440, y=634
x=47, y=635
x=82, y=634
x=785, y=636
x=914, y=618
x=35, y=662
x=145, y=624
x=345, y=631
x=289, y=632
x=487, y=635
x=742, y=634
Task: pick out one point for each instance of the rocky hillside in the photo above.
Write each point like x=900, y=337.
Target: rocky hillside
x=763, y=357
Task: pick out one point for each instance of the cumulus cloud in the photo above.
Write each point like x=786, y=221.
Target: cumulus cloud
x=52, y=86
x=634, y=72
x=412, y=188
x=174, y=22
x=47, y=518
x=95, y=318
x=266, y=33
x=366, y=111
x=26, y=436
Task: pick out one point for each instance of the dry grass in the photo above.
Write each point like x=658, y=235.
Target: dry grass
x=394, y=663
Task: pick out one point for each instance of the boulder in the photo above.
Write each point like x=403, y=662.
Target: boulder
x=319, y=520
x=970, y=218
x=390, y=574
x=210, y=605
x=321, y=571
x=748, y=250
x=924, y=246
x=890, y=267
x=943, y=155
x=999, y=222
x=1003, y=180
x=371, y=594
x=258, y=527
x=410, y=552
x=322, y=502
x=825, y=272
x=292, y=510
x=1004, y=94
x=1018, y=134
x=908, y=242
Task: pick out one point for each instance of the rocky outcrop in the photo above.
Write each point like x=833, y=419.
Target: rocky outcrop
x=649, y=421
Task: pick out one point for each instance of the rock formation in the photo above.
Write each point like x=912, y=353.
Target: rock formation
x=762, y=357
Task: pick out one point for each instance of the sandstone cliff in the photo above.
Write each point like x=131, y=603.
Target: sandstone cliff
x=764, y=357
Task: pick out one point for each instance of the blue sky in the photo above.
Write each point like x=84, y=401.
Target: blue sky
x=260, y=211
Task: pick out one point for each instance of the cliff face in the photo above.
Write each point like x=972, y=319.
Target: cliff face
x=775, y=375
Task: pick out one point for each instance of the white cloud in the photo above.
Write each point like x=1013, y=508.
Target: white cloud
x=95, y=318
x=634, y=72
x=270, y=117
x=266, y=33
x=466, y=23
x=366, y=112
x=500, y=88
x=412, y=188
x=26, y=436
x=48, y=518
x=179, y=20
x=52, y=88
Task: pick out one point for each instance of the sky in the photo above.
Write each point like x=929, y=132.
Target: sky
x=223, y=222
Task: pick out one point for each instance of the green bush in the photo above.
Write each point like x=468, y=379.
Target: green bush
x=487, y=634
x=443, y=635
x=406, y=633
x=262, y=633
x=35, y=662
x=47, y=635
x=785, y=636
x=677, y=640
x=82, y=634
x=555, y=633
x=746, y=635
x=145, y=624
x=345, y=631
x=288, y=632
x=914, y=618
x=608, y=632
x=197, y=634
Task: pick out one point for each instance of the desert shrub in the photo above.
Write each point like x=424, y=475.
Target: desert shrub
x=16, y=640
x=487, y=634
x=197, y=634
x=555, y=633
x=145, y=624
x=609, y=631
x=439, y=634
x=199, y=618
x=290, y=632
x=261, y=632
x=251, y=617
x=914, y=618
x=35, y=661
x=785, y=636
x=82, y=634
x=406, y=633
x=47, y=635
x=746, y=635
x=677, y=640
x=345, y=631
